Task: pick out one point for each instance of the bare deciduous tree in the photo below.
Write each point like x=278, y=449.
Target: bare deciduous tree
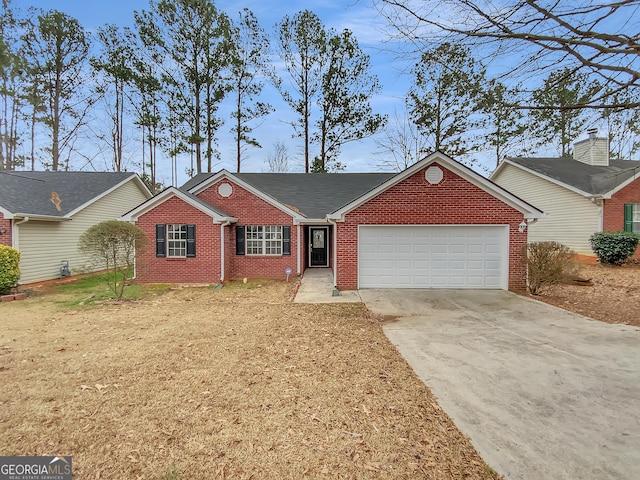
x=401, y=144
x=278, y=160
x=600, y=38
x=112, y=245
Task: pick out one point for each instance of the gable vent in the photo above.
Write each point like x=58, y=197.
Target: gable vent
x=434, y=175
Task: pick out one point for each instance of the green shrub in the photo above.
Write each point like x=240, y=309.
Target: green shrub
x=548, y=263
x=113, y=245
x=9, y=268
x=613, y=248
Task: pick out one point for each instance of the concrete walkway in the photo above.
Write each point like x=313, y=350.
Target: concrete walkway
x=317, y=287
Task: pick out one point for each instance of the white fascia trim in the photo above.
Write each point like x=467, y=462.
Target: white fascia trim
x=165, y=195
x=544, y=177
x=313, y=221
x=258, y=193
x=529, y=211
x=6, y=213
x=133, y=176
x=42, y=218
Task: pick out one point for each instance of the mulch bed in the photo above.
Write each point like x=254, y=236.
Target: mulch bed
x=612, y=294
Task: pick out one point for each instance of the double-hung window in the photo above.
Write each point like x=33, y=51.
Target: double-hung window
x=175, y=240
x=632, y=217
x=263, y=239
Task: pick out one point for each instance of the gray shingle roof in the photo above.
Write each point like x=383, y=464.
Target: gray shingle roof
x=314, y=195
x=595, y=180
x=31, y=192
x=206, y=205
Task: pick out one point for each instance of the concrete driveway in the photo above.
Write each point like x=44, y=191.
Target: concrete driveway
x=541, y=392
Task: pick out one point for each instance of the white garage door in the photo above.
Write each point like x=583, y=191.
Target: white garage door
x=420, y=256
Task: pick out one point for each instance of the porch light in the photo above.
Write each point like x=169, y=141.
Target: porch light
x=523, y=226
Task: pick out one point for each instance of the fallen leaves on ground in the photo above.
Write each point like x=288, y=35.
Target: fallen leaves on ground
x=234, y=383
x=614, y=296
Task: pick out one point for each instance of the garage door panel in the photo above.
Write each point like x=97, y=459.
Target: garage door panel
x=476, y=248
x=461, y=248
x=439, y=248
x=476, y=282
x=475, y=264
x=492, y=249
x=461, y=256
x=421, y=264
x=457, y=265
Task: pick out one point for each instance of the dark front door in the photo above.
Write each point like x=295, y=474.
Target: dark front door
x=318, y=247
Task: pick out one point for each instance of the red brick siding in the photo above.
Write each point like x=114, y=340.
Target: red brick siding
x=613, y=210
x=414, y=201
x=203, y=268
x=252, y=210
x=5, y=224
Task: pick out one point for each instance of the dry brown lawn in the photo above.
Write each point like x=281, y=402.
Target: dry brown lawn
x=236, y=383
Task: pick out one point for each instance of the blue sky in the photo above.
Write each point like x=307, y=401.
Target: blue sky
x=359, y=16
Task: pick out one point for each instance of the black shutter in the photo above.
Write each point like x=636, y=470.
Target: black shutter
x=239, y=240
x=191, y=240
x=286, y=240
x=160, y=241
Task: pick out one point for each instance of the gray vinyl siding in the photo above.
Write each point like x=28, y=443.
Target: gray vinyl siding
x=571, y=217
x=45, y=245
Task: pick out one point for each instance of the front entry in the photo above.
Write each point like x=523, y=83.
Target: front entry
x=318, y=246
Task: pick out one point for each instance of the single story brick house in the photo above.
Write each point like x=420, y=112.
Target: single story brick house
x=43, y=215
x=437, y=224
x=580, y=195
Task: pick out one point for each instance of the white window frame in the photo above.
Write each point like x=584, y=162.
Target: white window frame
x=635, y=218
x=263, y=240
x=176, y=240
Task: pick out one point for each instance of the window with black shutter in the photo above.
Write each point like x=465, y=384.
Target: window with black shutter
x=286, y=240
x=160, y=241
x=239, y=240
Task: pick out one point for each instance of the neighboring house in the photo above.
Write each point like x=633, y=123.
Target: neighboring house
x=580, y=196
x=437, y=224
x=43, y=214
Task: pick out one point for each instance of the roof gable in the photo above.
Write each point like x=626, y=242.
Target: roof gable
x=301, y=195
x=216, y=214
x=528, y=210
x=58, y=194
x=586, y=180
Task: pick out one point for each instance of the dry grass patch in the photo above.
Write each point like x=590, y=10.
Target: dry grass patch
x=235, y=383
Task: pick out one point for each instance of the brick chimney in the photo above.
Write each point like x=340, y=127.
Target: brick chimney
x=592, y=151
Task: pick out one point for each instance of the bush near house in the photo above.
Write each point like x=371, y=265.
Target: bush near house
x=9, y=268
x=548, y=263
x=113, y=245
x=613, y=248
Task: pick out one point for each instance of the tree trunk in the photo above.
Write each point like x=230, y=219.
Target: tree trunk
x=238, y=126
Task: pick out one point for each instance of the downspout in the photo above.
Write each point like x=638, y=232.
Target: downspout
x=135, y=258
x=335, y=250
x=298, y=247
x=599, y=202
x=222, y=240
x=15, y=237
